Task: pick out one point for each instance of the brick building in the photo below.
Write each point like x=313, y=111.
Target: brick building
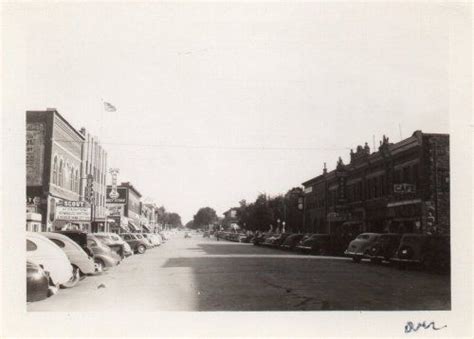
x=402, y=187
x=53, y=169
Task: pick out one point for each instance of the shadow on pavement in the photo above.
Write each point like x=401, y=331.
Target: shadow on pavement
x=296, y=284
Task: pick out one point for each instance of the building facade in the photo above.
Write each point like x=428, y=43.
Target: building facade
x=94, y=166
x=403, y=187
x=124, y=208
x=53, y=170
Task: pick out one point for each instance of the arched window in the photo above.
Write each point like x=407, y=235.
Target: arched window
x=60, y=173
x=76, y=188
x=55, y=170
x=72, y=182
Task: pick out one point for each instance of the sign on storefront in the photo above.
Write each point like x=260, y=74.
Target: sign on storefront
x=73, y=211
x=34, y=153
x=116, y=197
x=404, y=188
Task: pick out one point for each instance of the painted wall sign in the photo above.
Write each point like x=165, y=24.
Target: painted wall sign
x=121, y=198
x=34, y=153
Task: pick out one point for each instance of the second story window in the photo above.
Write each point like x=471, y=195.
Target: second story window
x=60, y=173
x=55, y=170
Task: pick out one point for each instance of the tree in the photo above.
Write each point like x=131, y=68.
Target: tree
x=174, y=220
x=204, y=217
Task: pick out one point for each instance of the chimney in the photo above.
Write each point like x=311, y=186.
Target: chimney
x=325, y=170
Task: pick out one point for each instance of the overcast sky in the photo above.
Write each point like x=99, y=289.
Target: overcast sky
x=218, y=102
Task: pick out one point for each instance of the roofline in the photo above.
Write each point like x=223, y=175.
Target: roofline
x=62, y=118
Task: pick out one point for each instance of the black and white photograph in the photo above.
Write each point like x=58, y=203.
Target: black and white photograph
x=286, y=164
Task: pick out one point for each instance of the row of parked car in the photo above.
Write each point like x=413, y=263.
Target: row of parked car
x=61, y=259
x=431, y=252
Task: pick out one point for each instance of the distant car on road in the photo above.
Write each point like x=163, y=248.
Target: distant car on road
x=276, y=240
x=432, y=252
x=360, y=246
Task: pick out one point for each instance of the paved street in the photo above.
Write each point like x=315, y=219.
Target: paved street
x=207, y=275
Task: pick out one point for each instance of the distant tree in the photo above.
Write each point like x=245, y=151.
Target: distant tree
x=189, y=224
x=205, y=216
x=174, y=220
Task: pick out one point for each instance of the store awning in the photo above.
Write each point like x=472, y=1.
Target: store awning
x=133, y=227
x=351, y=223
x=145, y=227
x=405, y=202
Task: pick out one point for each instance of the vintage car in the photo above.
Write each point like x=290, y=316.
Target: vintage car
x=147, y=241
x=116, y=243
x=384, y=247
x=138, y=245
x=360, y=246
x=152, y=238
x=315, y=244
x=43, y=252
x=37, y=283
x=260, y=238
x=81, y=262
x=292, y=241
x=80, y=238
x=104, y=257
x=276, y=240
x=432, y=252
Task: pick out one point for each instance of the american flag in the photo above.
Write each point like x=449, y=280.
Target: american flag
x=109, y=107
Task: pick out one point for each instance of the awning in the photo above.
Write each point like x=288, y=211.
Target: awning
x=146, y=228
x=133, y=227
x=351, y=223
x=405, y=202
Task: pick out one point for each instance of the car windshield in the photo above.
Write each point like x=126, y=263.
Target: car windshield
x=115, y=237
x=363, y=237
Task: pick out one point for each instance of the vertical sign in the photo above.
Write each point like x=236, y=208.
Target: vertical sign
x=34, y=153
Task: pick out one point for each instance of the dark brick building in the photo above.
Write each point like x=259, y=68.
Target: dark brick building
x=403, y=187
x=53, y=169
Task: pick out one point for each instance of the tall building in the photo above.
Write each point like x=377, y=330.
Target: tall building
x=403, y=187
x=53, y=170
x=94, y=167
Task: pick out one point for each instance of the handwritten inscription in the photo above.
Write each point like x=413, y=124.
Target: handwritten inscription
x=411, y=327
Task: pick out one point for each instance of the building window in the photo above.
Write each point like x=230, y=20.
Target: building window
x=60, y=173
x=415, y=174
x=406, y=175
x=72, y=180
x=76, y=187
x=55, y=170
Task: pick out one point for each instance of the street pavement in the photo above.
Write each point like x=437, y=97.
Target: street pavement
x=207, y=275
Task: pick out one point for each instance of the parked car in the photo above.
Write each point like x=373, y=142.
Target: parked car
x=147, y=241
x=384, y=247
x=245, y=238
x=315, y=244
x=260, y=237
x=138, y=245
x=37, y=283
x=80, y=238
x=116, y=243
x=153, y=240
x=81, y=262
x=275, y=240
x=206, y=234
x=43, y=252
x=360, y=246
x=432, y=252
x=104, y=257
x=292, y=241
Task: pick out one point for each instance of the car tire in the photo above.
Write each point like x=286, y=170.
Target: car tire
x=76, y=276
x=100, y=265
x=141, y=249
